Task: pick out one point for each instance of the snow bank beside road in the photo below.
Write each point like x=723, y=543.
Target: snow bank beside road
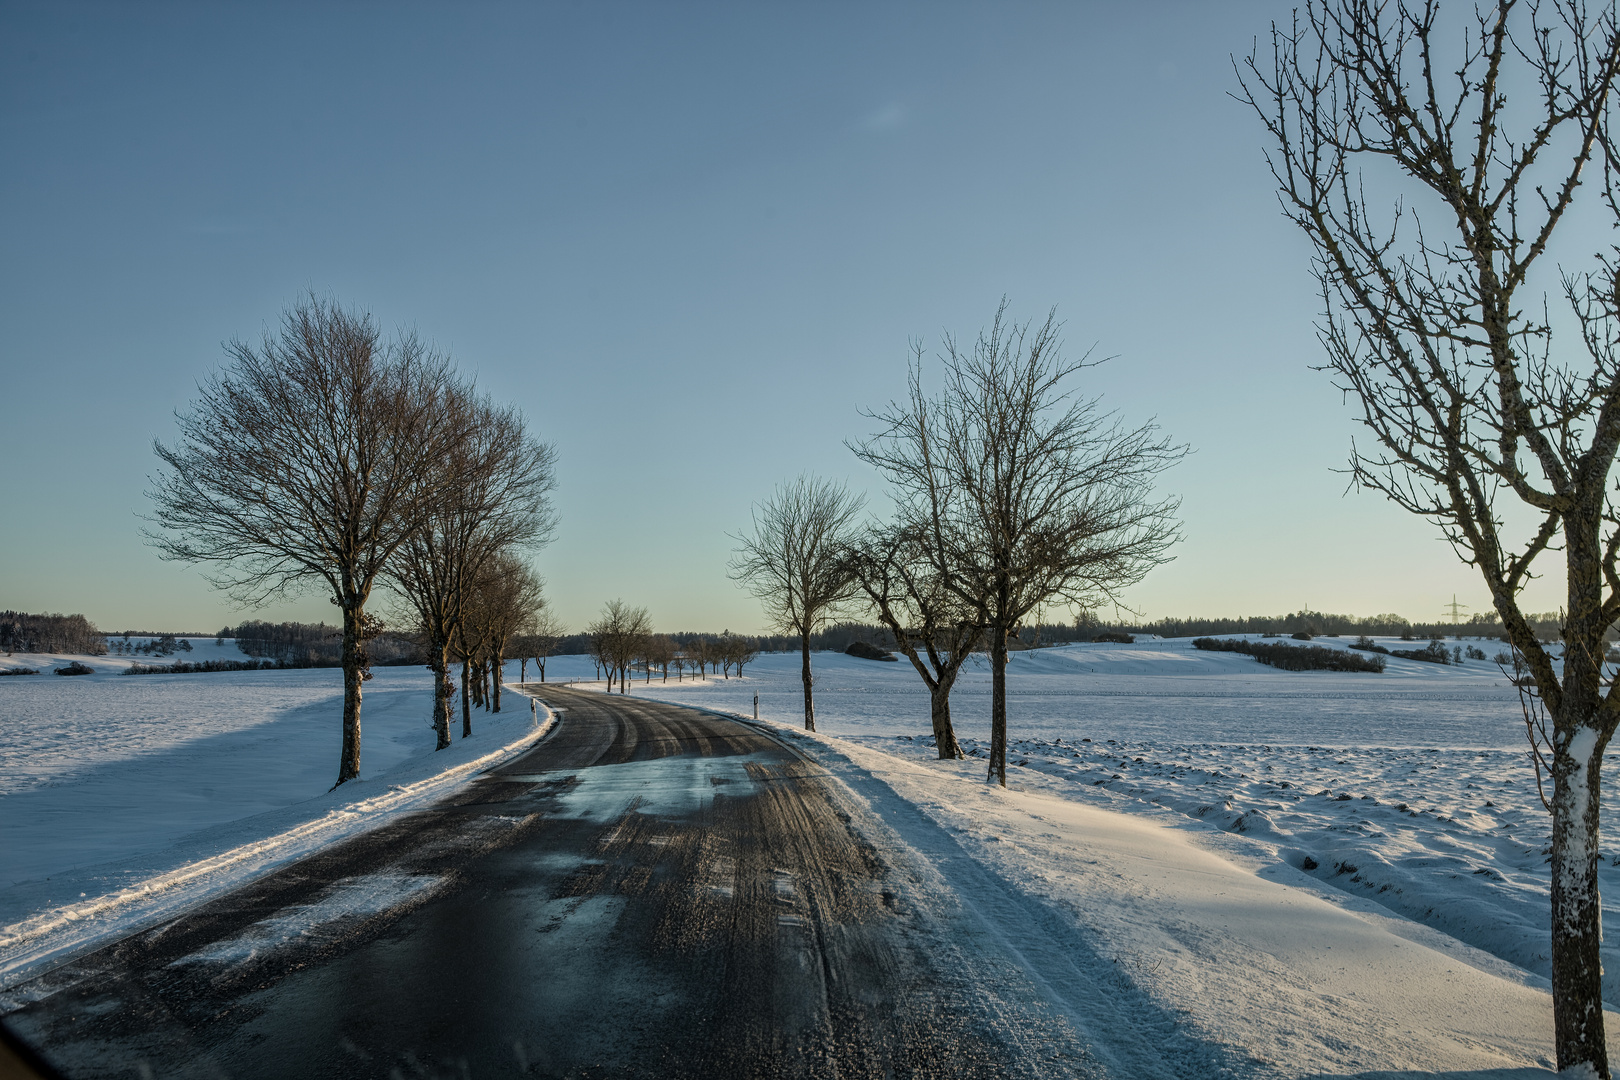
x=1265, y=972
x=126, y=830
x=1294, y=979
x=1411, y=788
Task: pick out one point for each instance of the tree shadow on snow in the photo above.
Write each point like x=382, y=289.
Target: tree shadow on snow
x=1470, y=1074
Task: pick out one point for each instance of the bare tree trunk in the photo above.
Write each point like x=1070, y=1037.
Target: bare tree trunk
x=1578, y=745
x=998, y=706
x=466, y=706
x=443, y=691
x=804, y=674
x=1577, y=912
x=939, y=700
x=499, y=669
x=353, y=656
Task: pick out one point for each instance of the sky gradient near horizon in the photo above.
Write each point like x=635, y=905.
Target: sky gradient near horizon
x=691, y=242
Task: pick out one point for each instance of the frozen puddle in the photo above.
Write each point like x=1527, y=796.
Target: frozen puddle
x=344, y=905
x=672, y=788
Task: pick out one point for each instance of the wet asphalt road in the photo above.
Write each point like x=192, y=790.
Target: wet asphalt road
x=650, y=891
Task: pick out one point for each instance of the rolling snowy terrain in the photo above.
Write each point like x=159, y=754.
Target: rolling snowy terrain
x=1324, y=873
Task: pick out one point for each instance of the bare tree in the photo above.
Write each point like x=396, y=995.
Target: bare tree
x=697, y=651
x=905, y=582
x=512, y=593
x=618, y=638
x=500, y=479
x=743, y=652
x=542, y=636
x=600, y=644
x=796, y=561
x=308, y=462
x=660, y=653
x=1027, y=494
x=469, y=641
x=1433, y=323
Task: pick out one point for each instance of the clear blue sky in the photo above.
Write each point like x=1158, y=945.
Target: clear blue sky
x=690, y=241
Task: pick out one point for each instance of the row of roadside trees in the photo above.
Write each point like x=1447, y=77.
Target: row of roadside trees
x=1011, y=493
x=324, y=457
x=621, y=640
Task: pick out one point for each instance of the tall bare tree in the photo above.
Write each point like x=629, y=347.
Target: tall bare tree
x=600, y=645
x=796, y=561
x=470, y=640
x=1435, y=320
x=1027, y=493
x=500, y=479
x=308, y=462
x=515, y=594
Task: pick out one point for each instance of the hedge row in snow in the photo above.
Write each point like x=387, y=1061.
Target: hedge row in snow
x=1294, y=657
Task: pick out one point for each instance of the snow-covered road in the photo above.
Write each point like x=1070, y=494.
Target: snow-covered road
x=650, y=892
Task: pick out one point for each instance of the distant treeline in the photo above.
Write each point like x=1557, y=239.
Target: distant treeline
x=129, y=634
x=1090, y=628
x=1318, y=624
x=294, y=644
x=21, y=632
x=840, y=636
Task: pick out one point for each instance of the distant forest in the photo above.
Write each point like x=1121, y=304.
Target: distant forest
x=21, y=632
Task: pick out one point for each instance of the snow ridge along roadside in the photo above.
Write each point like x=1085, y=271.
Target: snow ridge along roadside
x=59, y=933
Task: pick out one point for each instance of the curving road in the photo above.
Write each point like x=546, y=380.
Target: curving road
x=650, y=891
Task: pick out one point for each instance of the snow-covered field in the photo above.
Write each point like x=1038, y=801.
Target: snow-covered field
x=1406, y=796
x=122, y=797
